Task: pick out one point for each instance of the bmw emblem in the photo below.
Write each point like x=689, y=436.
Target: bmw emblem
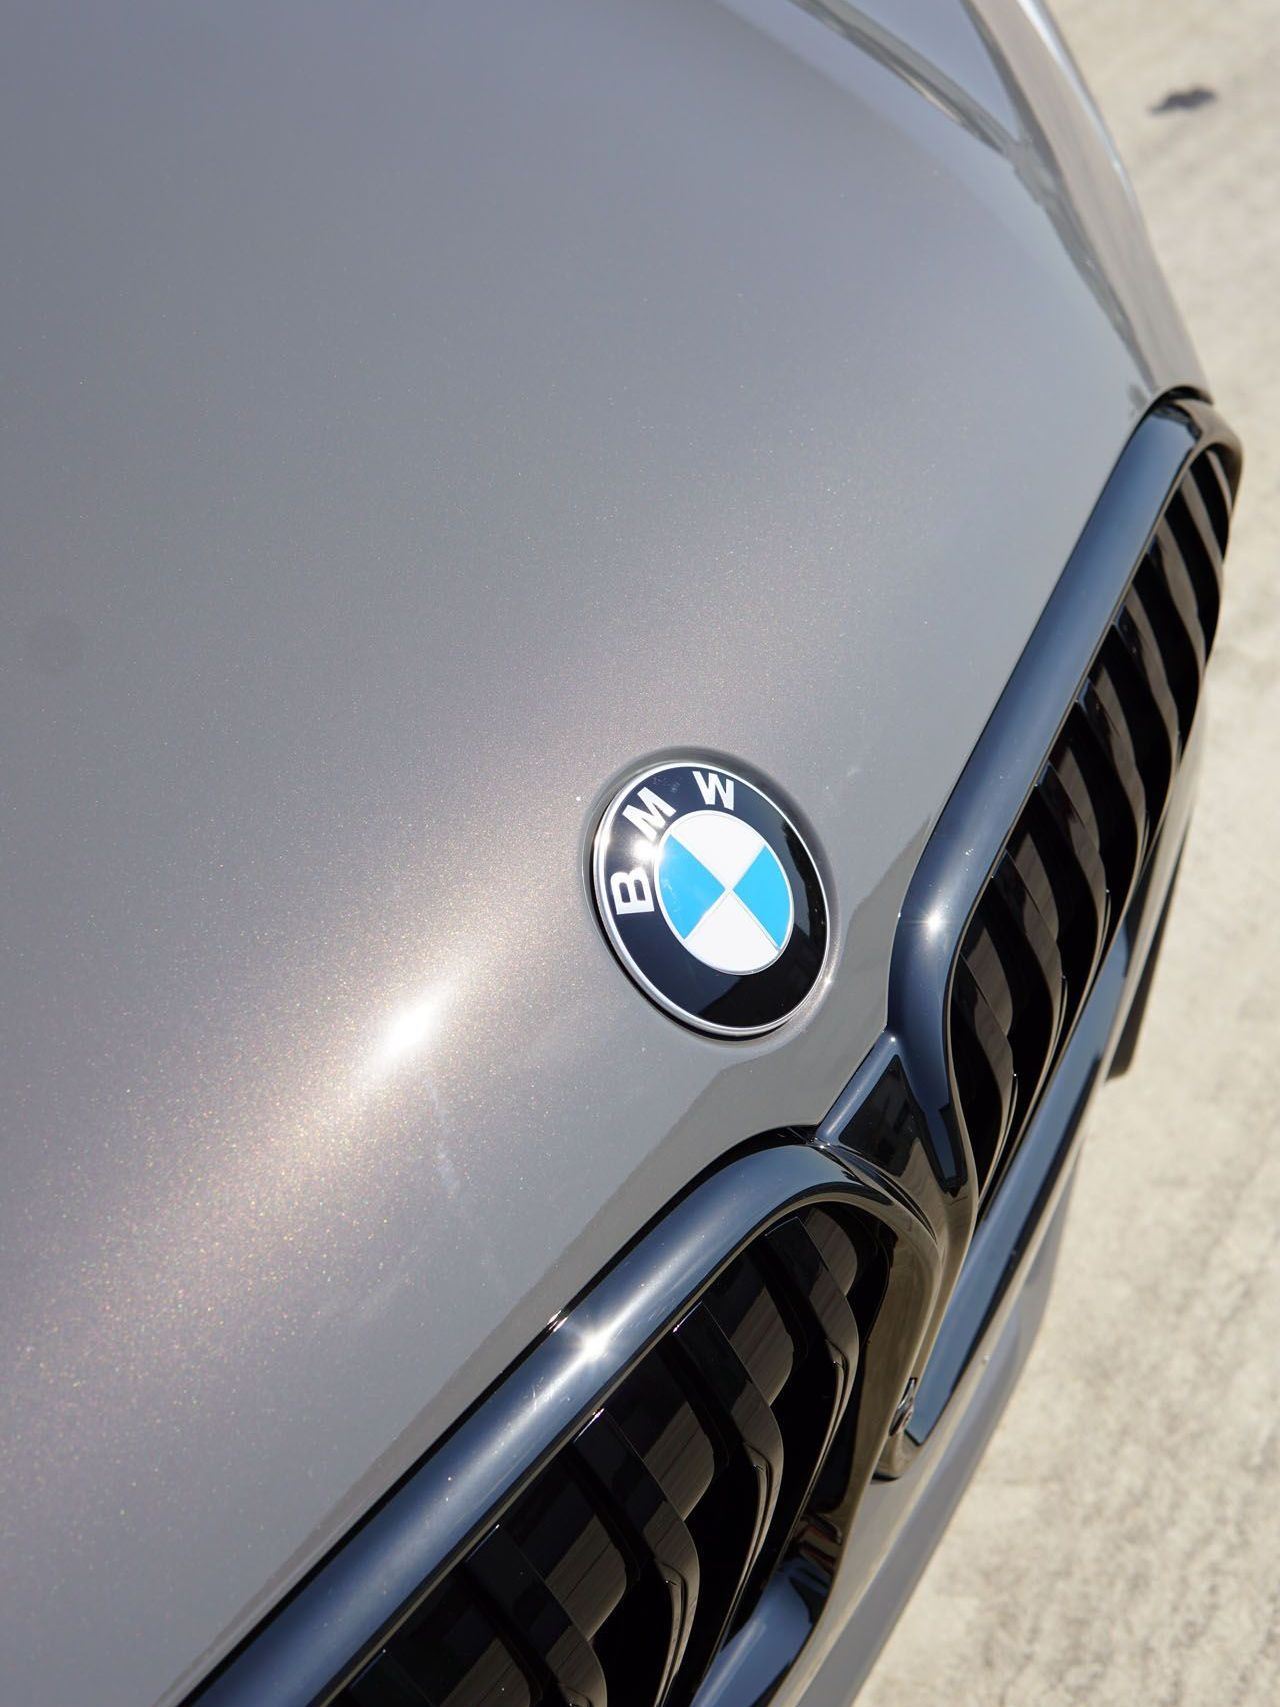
x=710, y=898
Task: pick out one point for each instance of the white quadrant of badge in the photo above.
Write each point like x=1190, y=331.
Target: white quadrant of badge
x=723, y=892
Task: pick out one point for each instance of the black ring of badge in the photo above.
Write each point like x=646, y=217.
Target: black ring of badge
x=726, y=1004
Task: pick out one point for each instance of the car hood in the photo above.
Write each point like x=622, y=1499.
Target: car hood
x=415, y=417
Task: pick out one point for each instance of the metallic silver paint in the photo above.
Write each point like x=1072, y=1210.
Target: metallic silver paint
x=385, y=391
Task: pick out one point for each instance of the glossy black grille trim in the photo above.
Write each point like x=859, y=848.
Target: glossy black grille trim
x=764, y=1361
x=601, y=1524
x=1029, y=952
x=1066, y=815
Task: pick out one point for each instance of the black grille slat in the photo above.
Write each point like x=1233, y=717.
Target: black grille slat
x=1042, y=958
x=1060, y=886
x=1201, y=553
x=746, y=1421
x=1084, y=768
x=986, y=1081
x=748, y=1316
x=1025, y=849
x=1069, y=762
x=1119, y=727
x=1138, y=637
x=1215, y=489
x=803, y=1269
x=1078, y=849
x=1177, y=576
x=1183, y=663
x=731, y=1521
x=560, y=1532
x=1010, y=927
x=985, y=957
x=453, y=1654
x=811, y=1405
x=638, y=1670
x=1113, y=763
x=550, y=1644
x=1136, y=673
x=654, y=1413
x=837, y=1250
x=388, y=1684
x=1044, y=844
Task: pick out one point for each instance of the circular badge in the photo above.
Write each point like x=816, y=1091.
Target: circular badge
x=710, y=898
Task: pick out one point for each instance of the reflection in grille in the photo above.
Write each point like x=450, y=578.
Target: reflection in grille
x=1062, y=882
x=620, y=1569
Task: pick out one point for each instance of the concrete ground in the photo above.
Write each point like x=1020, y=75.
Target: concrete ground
x=1121, y=1541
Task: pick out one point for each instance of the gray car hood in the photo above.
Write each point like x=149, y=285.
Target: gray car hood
x=413, y=417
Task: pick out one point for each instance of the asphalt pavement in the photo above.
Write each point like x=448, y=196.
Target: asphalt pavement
x=1120, y=1543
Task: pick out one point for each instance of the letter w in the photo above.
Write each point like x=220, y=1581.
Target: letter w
x=711, y=785
x=651, y=823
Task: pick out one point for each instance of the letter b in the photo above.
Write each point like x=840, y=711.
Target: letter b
x=631, y=891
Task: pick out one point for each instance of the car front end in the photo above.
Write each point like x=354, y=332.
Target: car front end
x=466, y=468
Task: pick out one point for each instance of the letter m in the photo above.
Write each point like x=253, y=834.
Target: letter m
x=652, y=822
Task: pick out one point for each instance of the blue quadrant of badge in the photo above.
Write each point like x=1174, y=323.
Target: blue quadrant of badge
x=689, y=890
x=764, y=889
